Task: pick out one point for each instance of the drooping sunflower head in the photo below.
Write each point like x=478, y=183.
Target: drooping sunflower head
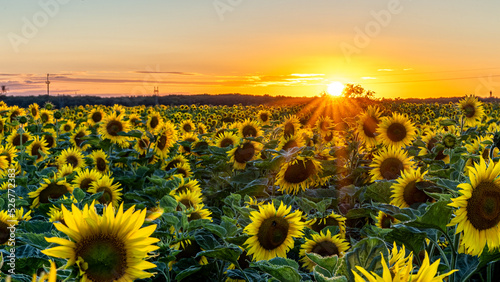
x=472, y=110
x=72, y=156
x=272, y=231
x=383, y=220
x=291, y=126
x=51, y=188
x=112, y=125
x=323, y=244
x=367, y=125
x=405, y=192
x=396, y=130
x=100, y=161
x=299, y=174
x=107, y=247
x=244, y=152
x=111, y=191
x=390, y=163
x=478, y=212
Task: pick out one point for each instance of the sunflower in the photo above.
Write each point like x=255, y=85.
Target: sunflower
x=15, y=111
x=2, y=126
x=183, y=186
x=272, y=231
x=478, y=212
x=71, y=156
x=165, y=140
x=264, y=117
x=49, y=135
x=405, y=192
x=189, y=248
x=187, y=126
x=49, y=277
x=333, y=219
x=52, y=188
x=77, y=138
x=142, y=144
x=188, y=139
x=95, y=116
x=154, y=122
x=6, y=220
x=10, y=153
x=390, y=163
x=17, y=139
x=367, y=125
x=324, y=245
x=100, y=161
x=134, y=120
x=226, y=139
x=85, y=177
x=202, y=128
x=199, y=212
x=64, y=171
x=21, y=216
x=38, y=148
x=292, y=141
x=175, y=162
x=34, y=110
x=112, y=125
x=111, y=247
x=299, y=174
x=472, y=110
x=249, y=128
x=244, y=152
x=68, y=126
x=190, y=199
x=383, y=220
x=56, y=215
x=396, y=130
x=111, y=192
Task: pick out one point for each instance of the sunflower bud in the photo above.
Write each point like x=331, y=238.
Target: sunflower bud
x=57, y=115
x=22, y=119
x=48, y=106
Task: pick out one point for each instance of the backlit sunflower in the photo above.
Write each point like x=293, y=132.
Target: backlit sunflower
x=85, y=177
x=95, y=116
x=390, y=163
x=264, y=117
x=324, y=124
x=333, y=219
x=111, y=126
x=17, y=139
x=154, y=122
x=190, y=199
x=249, y=128
x=71, y=156
x=187, y=126
x=299, y=174
x=405, y=192
x=76, y=138
x=5, y=221
x=396, y=131
x=367, y=125
x=383, y=220
x=272, y=231
x=324, y=245
x=111, y=192
x=38, y=148
x=111, y=247
x=100, y=161
x=478, y=212
x=292, y=141
x=244, y=152
x=52, y=188
x=226, y=139
x=472, y=109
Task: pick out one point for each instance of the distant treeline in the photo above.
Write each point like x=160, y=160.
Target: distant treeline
x=440, y=100
x=130, y=101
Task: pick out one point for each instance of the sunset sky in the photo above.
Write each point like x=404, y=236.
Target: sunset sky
x=294, y=48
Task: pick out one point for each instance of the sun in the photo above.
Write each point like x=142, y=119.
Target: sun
x=335, y=88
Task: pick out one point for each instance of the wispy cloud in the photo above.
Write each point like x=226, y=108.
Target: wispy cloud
x=167, y=72
x=368, y=77
x=385, y=70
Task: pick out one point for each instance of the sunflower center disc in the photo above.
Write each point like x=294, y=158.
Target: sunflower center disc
x=114, y=127
x=187, y=203
x=413, y=195
x=370, y=127
x=67, y=127
x=106, y=257
x=85, y=184
x=52, y=191
x=449, y=141
x=264, y=117
x=299, y=171
x=194, y=216
x=249, y=130
x=96, y=117
x=34, y=151
x=273, y=232
x=49, y=139
x=154, y=122
x=78, y=138
x=100, y=164
x=431, y=143
x=328, y=137
x=107, y=195
x=391, y=168
x=226, y=142
x=483, y=208
x=4, y=233
x=17, y=139
x=187, y=127
x=469, y=110
x=324, y=222
x=244, y=153
x=143, y=144
x=387, y=221
x=72, y=160
x=396, y=132
x=189, y=250
x=162, y=142
x=290, y=144
x=325, y=249
x=289, y=130
x=172, y=164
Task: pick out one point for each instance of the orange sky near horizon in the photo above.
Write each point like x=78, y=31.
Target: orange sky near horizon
x=395, y=48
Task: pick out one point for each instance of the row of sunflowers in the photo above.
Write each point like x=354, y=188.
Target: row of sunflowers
x=399, y=192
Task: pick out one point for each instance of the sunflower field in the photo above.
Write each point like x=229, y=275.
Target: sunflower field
x=332, y=191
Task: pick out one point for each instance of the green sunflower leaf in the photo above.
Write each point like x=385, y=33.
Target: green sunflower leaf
x=279, y=269
x=366, y=254
x=227, y=253
x=329, y=263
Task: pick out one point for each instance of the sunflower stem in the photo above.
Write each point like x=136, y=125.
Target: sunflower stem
x=489, y=273
x=455, y=243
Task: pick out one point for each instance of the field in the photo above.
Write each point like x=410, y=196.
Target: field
x=331, y=191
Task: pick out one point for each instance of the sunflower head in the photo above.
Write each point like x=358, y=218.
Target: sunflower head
x=390, y=163
x=396, y=130
x=323, y=244
x=299, y=174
